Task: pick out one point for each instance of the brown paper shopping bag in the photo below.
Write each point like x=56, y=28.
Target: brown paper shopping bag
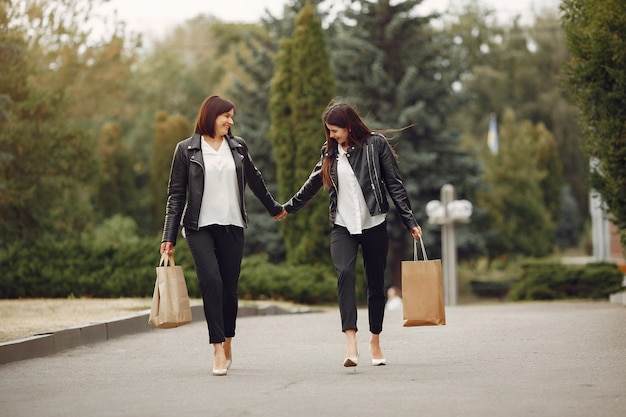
x=170, y=301
x=422, y=291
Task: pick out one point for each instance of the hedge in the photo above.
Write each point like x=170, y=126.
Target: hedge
x=60, y=269
x=552, y=281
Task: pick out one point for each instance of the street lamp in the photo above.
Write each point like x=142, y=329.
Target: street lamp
x=445, y=213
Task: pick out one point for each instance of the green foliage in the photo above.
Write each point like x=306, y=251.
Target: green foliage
x=552, y=281
x=113, y=233
x=519, y=67
x=110, y=260
x=168, y=131
x=596, y=80
x=115, y=192
x=254, y=49
x=299, y=283
x=518, y=219
x=113, y=262
x=66, y=268
x=301, y=88
x=59, y=91
x=48, y=161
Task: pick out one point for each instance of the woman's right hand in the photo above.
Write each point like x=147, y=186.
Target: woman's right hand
x=416, y=232
x=167, y=247
x=281, y=216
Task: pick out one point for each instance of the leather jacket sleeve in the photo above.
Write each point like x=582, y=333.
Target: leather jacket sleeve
x=394, y=185
x=308, y=190
x=177, y=194
x=257, y=184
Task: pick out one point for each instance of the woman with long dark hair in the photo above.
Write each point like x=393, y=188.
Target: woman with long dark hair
x=358, y=167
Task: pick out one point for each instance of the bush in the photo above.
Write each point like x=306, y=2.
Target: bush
x=552, y=281
x=88, y=268
x=306, y=284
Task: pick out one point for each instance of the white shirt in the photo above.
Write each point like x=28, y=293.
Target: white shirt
x=220, y=200
x=352, y=211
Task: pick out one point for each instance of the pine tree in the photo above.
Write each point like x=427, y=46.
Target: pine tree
x=301, y=88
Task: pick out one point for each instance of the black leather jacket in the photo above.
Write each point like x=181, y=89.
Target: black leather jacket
x=376, y=169
x=186, y=184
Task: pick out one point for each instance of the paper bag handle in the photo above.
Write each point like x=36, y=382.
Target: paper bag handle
x=167, y=259
x=415, y=250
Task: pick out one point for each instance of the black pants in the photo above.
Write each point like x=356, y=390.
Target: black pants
x=343, y=250
x=217, y=253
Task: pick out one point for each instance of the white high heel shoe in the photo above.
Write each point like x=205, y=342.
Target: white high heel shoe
x=379, y=362
x=351, y=361
x=220, y=372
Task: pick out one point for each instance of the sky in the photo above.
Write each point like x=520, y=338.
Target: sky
x=153, y=18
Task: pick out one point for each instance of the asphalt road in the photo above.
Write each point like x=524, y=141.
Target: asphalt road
x=510, y=359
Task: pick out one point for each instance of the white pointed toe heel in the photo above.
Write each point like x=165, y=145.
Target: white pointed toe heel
x=220, y=372
x=348, y=362
x=351, y=361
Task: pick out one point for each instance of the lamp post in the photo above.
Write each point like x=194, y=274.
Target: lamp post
x=445, y=213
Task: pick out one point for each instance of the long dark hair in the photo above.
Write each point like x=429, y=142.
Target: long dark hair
x=346, y=117
x=209, y=110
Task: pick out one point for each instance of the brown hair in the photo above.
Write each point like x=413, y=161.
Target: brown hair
x=346, y=117
x=211, y=108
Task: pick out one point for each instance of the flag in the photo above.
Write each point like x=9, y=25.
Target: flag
x=492, y=136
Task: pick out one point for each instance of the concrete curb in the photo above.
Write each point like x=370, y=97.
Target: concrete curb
x=51, y=343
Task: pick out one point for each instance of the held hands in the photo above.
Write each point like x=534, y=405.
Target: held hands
x=416, y=232
x=280, y=216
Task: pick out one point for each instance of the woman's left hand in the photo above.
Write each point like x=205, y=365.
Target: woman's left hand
x=416, y=232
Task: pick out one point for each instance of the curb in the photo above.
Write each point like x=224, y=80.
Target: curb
x=51, y=343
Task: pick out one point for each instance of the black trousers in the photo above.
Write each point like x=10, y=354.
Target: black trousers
x=343, y=250
x=217, y=253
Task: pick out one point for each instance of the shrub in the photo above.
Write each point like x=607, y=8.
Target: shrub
x=551, y=281
x=306, y=284
x=59, y=269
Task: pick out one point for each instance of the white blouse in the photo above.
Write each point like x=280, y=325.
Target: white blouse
x=352, y=211
x=220, y=200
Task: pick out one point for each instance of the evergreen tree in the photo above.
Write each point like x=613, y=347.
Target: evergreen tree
x=301, y=88
x=250, y=92
x=256, y=48
x=596, y=76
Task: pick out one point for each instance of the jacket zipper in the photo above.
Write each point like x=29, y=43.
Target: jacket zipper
x=370, y=168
